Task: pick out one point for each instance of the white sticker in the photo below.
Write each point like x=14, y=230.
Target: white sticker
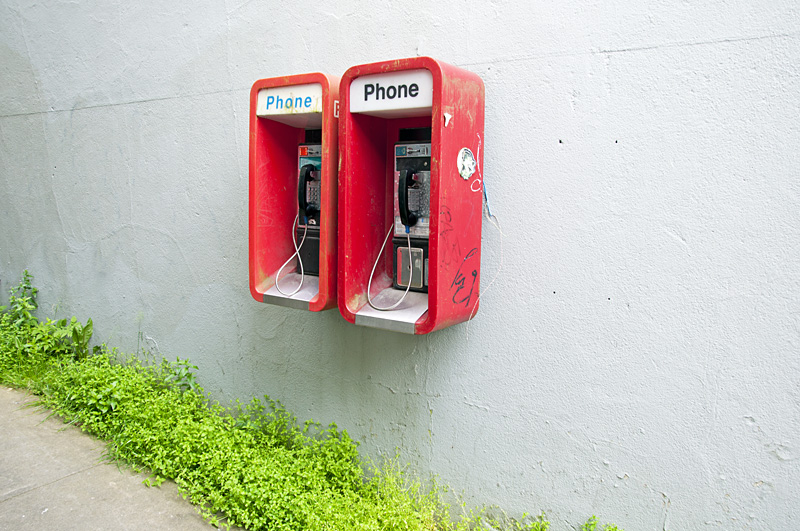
x=466, y=163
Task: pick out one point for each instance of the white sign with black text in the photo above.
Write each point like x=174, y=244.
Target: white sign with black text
x=395, y=94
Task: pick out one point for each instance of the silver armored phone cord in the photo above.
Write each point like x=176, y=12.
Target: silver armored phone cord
x=410, y=270
x=300, y=260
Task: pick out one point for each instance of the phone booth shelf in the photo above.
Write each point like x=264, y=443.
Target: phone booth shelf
x=368, y=135
x=282, y=109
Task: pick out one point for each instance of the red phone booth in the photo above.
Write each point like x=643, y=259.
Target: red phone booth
x=410, y=194
x=293, y=188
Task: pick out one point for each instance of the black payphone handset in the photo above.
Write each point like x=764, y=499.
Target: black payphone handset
x=305, y=188
x=406, y=181
x=306, y=226
x=411, y=227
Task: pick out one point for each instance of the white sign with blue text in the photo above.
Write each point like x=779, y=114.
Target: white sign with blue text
x=395, y=94
x=292, y=99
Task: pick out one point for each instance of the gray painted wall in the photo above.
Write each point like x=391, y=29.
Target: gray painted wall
x=637, y=355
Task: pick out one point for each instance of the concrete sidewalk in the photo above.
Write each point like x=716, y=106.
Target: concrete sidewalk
x=52, y=477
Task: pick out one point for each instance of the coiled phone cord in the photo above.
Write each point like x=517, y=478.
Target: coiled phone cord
x=300, y=260
x=410, y=270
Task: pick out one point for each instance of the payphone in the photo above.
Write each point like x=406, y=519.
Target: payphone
x=411, y=224
x=305, y=258
x=309, y=160
x=408, y=131
x=293, y=182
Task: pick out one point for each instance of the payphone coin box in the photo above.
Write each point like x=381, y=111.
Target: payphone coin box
x=411, y=169
x=293, y=163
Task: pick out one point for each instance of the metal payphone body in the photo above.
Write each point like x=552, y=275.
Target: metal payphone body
x=412, y=177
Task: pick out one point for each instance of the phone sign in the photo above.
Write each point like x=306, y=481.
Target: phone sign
x=406, y=93
x=292, y=99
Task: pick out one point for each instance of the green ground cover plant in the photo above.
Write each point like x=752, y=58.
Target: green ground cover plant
x=253, y=466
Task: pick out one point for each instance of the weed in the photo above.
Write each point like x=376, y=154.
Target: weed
x=180, y=374
x=22, y=303
x=592, y=523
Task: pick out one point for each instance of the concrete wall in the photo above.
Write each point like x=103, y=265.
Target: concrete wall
x=637, y=356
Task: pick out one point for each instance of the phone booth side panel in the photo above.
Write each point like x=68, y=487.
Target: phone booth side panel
x=456, y=242
x=276, y=148
x=362, y=206
x=269, y=199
